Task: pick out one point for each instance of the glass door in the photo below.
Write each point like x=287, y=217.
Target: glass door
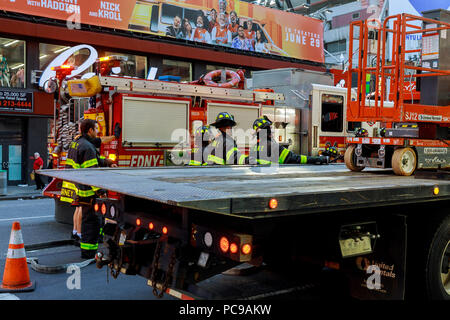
x=11, y=161
x=15, y=163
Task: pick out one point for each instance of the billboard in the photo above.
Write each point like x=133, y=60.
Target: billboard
x=229, y=23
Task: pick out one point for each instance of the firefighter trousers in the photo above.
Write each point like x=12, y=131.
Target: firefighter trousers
x=90, y=226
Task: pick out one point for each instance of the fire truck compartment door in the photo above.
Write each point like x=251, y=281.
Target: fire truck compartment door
x=154, y=121
x=244, y=115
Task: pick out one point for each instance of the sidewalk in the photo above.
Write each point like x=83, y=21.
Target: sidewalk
x=22, y=191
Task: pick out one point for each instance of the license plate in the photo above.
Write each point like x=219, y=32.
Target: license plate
x=352, y=247
x=203, y=259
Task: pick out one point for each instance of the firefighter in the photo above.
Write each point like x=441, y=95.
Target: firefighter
x=223, y=150
x=261, y=152
x=83, y=154
x=202, y=138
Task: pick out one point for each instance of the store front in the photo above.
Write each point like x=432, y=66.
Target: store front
x=12, y=148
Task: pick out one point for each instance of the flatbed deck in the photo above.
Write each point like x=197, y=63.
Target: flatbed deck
x=245, y=191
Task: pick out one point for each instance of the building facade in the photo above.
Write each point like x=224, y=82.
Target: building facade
x=28, y=44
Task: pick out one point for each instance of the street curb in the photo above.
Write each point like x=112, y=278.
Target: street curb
x=24, y=197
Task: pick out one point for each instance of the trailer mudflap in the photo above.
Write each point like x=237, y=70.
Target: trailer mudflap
x=381, y=274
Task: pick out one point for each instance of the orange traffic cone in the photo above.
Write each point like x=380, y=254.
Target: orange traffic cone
x=16, y=277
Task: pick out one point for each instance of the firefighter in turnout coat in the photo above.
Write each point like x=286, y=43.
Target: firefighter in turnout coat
x=83, y=154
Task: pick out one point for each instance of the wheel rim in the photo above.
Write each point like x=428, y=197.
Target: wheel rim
x=445, y=261
x=407, y=161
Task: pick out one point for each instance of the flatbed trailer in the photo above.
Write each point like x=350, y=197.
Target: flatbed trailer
x=177, y=227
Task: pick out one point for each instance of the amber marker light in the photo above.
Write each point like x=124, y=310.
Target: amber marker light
x=246, y=248
x=273, y=203
x=165, y=230
x=151, y=226
x=436, y=190
x=233, y=248
x=138, y=222
x=96, y=207
x=224, y=244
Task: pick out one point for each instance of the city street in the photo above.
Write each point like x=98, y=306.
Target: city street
x=37, y=222
x=38, y=226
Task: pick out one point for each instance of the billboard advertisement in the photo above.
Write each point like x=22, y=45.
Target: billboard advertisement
x=229, y=23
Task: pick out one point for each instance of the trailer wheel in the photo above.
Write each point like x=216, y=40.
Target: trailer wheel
x=350, y=159
x=404, y=161
x=437, y=269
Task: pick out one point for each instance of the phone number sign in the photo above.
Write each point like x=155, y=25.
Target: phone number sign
x=20, y=101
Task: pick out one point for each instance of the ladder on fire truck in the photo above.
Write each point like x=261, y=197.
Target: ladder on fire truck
x=121, y=84
x=398, y=148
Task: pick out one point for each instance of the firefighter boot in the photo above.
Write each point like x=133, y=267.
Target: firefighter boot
x=318, y=160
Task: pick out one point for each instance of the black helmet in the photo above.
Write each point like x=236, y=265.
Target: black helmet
x=361, y=132
x=262, y=123
x=203, y=134
x=224, y=119
x=330, y=151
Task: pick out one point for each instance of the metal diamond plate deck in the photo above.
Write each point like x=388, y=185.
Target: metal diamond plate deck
x=244, y=190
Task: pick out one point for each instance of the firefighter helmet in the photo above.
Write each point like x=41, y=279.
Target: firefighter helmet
x=331, y=151
x=224, y=119
x=361, y=132
x=203, y=134
x=262, y=123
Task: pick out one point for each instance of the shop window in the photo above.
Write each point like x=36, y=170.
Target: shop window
x=332, y=113
x=12, y=63
x=135, y=66
x=336, y=46
x=48, y=52
x=210, y=67
x=177, y=68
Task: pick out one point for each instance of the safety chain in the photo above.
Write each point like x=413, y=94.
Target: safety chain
x=169, y=272
x=155, y=266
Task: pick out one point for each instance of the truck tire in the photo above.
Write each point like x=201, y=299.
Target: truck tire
x=404, y=161
x=350, y=159
x=437, y=268
x=63, y=212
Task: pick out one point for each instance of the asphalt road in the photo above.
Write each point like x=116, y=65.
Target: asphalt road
x=37, y=222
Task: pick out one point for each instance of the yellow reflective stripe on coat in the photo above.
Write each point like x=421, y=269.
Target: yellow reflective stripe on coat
x=88, y=246
x=65, y=199
x=215, y=159
x=262, y=161
x=230, y=153
x=283, y=155
x=86, y=193
x=69, y=185
x=195, y=163
x=95, y=188
x=242, y=159
x=72, y=163
x=89, y=163
x=304, y=159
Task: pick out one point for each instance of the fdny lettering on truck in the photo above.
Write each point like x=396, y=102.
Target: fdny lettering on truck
x=135, y=160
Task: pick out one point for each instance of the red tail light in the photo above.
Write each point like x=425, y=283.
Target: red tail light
x=138, y=222
x=151, y=226
x=165, y=230
x=103, y=209
x=233, y=248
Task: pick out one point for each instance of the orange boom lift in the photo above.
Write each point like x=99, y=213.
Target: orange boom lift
x=416, y=132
